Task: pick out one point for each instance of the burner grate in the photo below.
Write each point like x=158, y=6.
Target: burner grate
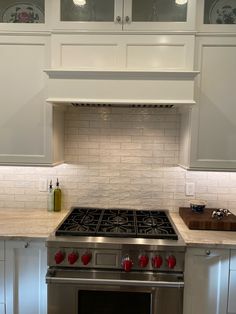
x=117, y=223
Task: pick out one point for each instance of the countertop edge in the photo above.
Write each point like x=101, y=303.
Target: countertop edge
x=39, y=224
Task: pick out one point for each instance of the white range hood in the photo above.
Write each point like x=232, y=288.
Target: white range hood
x=121, y=87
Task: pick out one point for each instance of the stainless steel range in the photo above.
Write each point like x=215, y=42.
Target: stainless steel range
x=108, y=261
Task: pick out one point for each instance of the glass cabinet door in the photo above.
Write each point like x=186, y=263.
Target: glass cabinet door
x=87, y=10
x=159, y=14
x=220, y=12
x=216, y=16
x=23, y=12
x=159, y=10
x=87, y=14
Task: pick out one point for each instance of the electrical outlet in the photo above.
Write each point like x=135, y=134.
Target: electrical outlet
x=43, y=185
x=190, y=189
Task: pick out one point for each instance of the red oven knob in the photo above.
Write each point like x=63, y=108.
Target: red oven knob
x=59, y=257
x=72, y=257
x=157, y=261
x=143, y=261
x=127, y=263
x=86, y=258
x=171, y=261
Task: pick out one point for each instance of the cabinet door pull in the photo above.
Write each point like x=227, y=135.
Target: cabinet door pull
x=118, y=19
x=127, y=19
x=208, y=252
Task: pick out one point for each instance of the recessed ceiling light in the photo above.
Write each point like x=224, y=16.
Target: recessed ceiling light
x=80, y=3
x=181, y=1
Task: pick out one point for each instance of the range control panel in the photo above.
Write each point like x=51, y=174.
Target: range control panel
x=115, y=259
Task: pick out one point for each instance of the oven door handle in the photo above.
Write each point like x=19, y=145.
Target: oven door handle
x=116, y=282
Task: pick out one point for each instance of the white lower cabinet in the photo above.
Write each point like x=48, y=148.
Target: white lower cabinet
x=2, y=308
x=25, y=269
x=2, y=298
x=232, y=284
x=206, y=281
x=2, y=292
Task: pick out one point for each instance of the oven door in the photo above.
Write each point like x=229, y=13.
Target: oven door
x=113, y=292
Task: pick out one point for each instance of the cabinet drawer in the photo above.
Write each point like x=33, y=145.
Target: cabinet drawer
x=233, y=260
x=1, y=250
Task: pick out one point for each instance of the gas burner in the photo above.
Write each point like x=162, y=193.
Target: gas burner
x=117, y=220
x=78, y=227
x=115, y=229
x=156, y=230
x=153, y=222
x=117, y=223
x=88, y=219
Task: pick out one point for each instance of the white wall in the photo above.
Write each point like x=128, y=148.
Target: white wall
x=118, y=157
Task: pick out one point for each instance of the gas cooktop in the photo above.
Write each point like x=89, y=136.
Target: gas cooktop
x=82, y=221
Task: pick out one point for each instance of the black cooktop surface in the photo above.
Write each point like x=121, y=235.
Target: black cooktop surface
x=83, y=221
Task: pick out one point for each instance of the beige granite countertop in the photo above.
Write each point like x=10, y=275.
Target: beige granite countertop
x=204, y=238
x=38, y=224
x=28, y=224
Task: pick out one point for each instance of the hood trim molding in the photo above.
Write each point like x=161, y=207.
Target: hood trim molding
x=128, y=74
x=121, y=87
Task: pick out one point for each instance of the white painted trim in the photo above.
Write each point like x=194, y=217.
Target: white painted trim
x=73, y=73
x=117, y=102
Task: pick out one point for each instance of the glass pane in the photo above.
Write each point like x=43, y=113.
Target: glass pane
x=18, y=11
x=220, y=12
x=159, y=10
x=104, y=302
x=87, y=10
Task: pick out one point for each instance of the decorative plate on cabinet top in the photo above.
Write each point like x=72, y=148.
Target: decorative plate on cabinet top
x=23, y=13
x=223, y=12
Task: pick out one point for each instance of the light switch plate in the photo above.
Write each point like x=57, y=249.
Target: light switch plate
x=43, y=185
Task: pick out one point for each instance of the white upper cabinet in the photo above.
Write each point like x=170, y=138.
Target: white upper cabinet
x=120, y=15
x=28, y=133
x=209, y=129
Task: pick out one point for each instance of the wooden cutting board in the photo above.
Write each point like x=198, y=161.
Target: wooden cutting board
x=204, y=221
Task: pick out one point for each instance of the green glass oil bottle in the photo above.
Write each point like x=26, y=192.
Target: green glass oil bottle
x=57, y=197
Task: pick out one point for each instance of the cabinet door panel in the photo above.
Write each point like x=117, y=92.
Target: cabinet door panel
x=217, y=138
x=233, y=260
x=25, y=278
x=23, y=110
x=232, y=293
x=213, y=127
x=206, y=282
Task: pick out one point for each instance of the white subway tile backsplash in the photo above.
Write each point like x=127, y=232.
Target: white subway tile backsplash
x=118, y=157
